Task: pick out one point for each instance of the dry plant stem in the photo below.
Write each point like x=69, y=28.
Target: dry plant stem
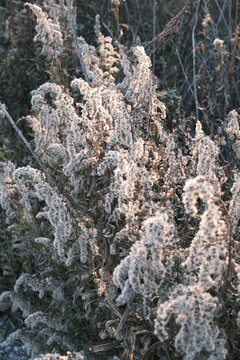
x=110, y=32
x=171, y=26
x=20, y=134
x=104, y=347
x=116, y=15
x=124, y=317
x=194, y=64
x=79, y=53
x=185, y=74
x=151, y=349
x=154, y=34
x=189, y=85
x=139, y=13
x=236, y=12
x=229, y=16
x=221, y=16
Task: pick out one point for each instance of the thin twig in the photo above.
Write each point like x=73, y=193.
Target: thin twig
x=154, y=35
x=20, y=134
x=170, y=27
x=104, y=347
x=236, y=12
x=230, y=16
x=194, y=63
x=222, y=16
x=185, y=74
x=110, y=32
x=79, y=53
x=190, y=86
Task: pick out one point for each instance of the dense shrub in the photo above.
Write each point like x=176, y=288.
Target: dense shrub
x=129, y=218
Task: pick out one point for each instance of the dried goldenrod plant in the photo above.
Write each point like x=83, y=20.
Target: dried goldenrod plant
x=134, y=244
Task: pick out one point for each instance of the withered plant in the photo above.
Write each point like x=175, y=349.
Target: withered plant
x=129, y=219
